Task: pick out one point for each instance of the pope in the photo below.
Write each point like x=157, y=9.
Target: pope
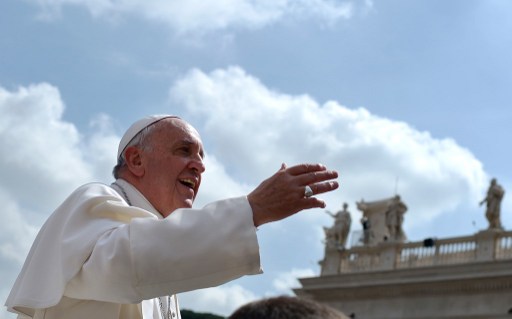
x=125, y=250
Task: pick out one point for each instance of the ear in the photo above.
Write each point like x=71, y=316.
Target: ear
x=134, y=163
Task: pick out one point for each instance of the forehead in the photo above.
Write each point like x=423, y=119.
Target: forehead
x=171, y=131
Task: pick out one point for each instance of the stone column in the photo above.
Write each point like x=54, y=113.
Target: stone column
x=332, y=261
x=486, y=244
x=388, y=255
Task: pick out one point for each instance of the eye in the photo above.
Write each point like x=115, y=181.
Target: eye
x=184, y=150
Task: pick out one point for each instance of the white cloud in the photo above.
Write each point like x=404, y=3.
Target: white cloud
x=100, y=148
x=287, y=281
x=44, y=152
x=251, y=129
x=41, y=150
x=200, y=16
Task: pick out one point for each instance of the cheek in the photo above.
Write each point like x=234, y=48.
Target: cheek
x=166, y=171
x=170, y=178
x=163, y=180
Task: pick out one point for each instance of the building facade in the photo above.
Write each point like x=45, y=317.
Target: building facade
x=388, y=278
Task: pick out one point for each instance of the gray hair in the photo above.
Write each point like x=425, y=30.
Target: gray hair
x=141, y=141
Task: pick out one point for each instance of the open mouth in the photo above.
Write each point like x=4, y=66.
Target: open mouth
x=188, y=183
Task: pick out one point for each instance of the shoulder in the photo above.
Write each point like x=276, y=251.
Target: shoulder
x=88, y=195
x=96, y=204
x=95, y=186
x=95, y=189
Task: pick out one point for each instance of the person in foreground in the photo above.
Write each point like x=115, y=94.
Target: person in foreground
x=285, y=307
x=126, y=250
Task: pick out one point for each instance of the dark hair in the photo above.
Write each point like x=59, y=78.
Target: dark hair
x=285, y=307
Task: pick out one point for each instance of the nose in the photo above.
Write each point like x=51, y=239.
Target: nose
x=197, y=164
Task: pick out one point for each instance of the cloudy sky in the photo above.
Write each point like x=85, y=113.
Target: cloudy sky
x=399, y=96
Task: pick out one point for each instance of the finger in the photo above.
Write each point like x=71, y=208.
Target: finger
x=305, y=168
x=313, y=202
x=315, y=177
x=318, y=188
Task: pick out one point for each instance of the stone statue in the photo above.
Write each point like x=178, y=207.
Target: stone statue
x=338, y=233
x=493, y=199
x=367, y=231
x=394, y=218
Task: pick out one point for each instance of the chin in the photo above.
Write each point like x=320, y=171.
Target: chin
x=188, y=203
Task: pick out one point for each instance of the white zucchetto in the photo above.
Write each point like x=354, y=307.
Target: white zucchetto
x=138, y=126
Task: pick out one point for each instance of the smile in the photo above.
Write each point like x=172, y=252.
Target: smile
x=188, y=182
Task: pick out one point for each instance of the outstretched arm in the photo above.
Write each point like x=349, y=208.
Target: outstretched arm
x=329, y=213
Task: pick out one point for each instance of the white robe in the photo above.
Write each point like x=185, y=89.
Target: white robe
x=97, y=257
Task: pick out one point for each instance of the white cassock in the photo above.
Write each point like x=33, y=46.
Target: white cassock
x=98, y=257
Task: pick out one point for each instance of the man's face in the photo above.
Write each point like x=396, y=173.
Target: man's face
x=173, y=164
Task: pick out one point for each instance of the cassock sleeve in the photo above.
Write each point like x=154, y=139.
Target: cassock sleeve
x=150, y=257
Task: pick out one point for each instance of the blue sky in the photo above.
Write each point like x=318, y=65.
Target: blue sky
x=383, y=91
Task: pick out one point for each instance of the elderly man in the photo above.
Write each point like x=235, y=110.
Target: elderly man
x=125, y=250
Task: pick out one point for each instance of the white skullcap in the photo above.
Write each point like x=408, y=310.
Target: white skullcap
x=136, y=128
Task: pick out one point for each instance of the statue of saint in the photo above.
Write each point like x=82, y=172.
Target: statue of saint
x=341, y=228
x=367, y=231
x=395, y=218
x=493, y=199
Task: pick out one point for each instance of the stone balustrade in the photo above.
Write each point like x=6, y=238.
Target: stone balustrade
x=483, y=246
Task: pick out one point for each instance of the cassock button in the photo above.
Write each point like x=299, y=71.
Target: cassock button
x=173, y=314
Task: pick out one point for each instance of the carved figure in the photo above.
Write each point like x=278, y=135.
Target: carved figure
x=395, y=217
x=341, y=228
x=367, y=232
x=493, y=199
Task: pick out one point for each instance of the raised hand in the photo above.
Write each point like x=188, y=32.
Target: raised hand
x=282, y=194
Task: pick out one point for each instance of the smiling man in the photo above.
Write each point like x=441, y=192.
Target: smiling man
x=167, y=170
x=126, y=250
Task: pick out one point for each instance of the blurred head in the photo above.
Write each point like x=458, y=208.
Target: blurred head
x=164, y=161
x=285, y=307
